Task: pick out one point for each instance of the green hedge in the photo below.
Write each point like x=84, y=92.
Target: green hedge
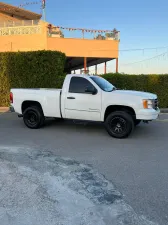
x=44, y=69
x=157, y=84
x=38, y=69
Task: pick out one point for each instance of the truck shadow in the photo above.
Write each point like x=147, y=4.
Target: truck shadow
x=155, y=130
x=98, y=128
x=75, y=124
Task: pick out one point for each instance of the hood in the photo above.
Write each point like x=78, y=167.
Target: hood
x=144, y=95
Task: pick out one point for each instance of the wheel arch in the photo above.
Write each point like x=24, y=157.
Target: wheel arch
x=31, y=103
x=113, y=108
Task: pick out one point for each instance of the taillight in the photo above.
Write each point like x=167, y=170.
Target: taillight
x=11, y=97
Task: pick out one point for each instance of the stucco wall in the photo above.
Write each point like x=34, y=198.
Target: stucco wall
x=22, y=43
x=84, y=47
x=70, y=46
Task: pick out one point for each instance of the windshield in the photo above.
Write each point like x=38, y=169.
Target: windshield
x=103, y=84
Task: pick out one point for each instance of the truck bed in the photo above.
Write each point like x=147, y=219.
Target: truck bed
x=48, y=98
x=35, y=89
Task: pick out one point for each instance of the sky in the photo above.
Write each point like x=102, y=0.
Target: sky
x=142, y=24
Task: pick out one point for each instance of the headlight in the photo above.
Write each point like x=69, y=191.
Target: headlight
x=148, y=104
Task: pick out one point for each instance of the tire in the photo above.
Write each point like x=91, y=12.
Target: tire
x=33, y=117
x=137, y=122
x=119, y=124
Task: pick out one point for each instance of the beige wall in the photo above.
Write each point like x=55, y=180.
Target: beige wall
x=84, y=47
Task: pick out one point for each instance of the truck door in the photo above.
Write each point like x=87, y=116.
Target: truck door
x=80, y=102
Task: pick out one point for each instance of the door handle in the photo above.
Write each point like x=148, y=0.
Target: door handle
x=70, y=97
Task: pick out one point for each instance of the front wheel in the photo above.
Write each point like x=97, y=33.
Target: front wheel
x=119, y=124
x=33, y=117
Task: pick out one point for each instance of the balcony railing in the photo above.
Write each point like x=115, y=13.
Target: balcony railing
x=23, y=27
x=6, y=31
x=19, y=23
x=61, y=32
x=20, y=27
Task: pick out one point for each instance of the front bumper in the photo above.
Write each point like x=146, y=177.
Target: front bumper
x=148, y=114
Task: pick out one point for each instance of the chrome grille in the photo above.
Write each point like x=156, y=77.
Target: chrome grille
x=155, y=104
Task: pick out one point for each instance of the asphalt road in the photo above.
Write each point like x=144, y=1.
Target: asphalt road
x=137, y=166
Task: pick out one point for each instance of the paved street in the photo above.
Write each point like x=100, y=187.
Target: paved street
x=137, y=166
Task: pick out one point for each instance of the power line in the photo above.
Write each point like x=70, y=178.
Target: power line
x=28, y=3
x=142, y=49
x=20, y=6
x=146, y=59
x=129, y=50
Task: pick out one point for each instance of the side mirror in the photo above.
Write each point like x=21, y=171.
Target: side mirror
x=91, y=90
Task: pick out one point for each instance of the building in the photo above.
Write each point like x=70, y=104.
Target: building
x=23, y=30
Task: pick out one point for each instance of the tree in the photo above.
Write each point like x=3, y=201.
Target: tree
x=100, y=37
x=112, y=34
x=55, y=31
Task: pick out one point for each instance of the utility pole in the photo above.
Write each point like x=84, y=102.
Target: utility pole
x=44, y=11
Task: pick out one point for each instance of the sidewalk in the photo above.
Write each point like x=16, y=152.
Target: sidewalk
x=4, y=109
x=164, y=110
x=7, y=109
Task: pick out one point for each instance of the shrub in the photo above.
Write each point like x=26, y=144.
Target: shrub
x=157, y=84
x=38, y=69
x=44, y=69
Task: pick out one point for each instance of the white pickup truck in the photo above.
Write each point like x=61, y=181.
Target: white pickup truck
x=85, y=97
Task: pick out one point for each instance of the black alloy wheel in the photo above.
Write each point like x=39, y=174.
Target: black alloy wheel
x=33, y=117
x=119, y=124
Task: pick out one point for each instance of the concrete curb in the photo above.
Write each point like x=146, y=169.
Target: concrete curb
x=4, y=109
x=164, y=110
x=7, y=109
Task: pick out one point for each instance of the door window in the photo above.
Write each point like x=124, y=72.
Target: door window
x=79, y=85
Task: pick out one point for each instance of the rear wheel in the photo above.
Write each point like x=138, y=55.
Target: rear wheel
x=33, y=117
x=119, y=124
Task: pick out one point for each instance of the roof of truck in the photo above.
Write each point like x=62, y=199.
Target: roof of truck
x=79, y=75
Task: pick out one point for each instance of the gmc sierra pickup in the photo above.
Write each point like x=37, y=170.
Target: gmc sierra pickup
x=85, y=97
